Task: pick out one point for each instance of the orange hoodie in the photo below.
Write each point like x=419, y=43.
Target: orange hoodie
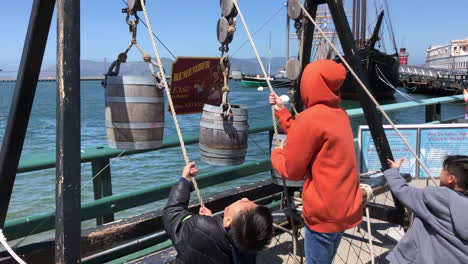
x=320, y=145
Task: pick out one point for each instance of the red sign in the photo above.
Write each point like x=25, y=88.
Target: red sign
x=194, y=82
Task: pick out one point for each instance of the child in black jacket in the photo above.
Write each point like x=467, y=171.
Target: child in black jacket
x=235, y=238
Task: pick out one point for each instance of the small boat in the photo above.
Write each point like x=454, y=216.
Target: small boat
x=279, y=81
x=257, y=81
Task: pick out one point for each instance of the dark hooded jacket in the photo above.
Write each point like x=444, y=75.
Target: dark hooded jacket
x=320, y=145
x=198, y=238
x=439, y=233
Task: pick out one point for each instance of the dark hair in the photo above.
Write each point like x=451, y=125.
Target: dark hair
x=457, y=165
x=252, y=230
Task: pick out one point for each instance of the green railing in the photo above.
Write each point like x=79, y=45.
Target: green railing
x=105, y=206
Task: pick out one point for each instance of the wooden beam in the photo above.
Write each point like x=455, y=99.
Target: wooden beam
x=311, y=7
x=25, y=89
x=370, y=110
x=68, y=172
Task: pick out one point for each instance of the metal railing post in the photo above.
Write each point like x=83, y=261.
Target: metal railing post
x=102, y=185
x=433, y=113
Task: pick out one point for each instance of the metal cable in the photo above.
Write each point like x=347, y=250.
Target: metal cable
x=389, y=23
x=258, y=30
x=384, y=80
x=169, y=99
x=370, y=95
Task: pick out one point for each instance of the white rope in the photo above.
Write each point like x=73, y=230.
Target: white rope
x=169, y=99
x=370, y=96
x=369, y=235
x=267, y=78
x=369, y=196
x=3, y=241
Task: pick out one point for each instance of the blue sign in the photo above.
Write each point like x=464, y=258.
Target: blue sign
x=432, y=143
x=436, y=143
x=370, y=160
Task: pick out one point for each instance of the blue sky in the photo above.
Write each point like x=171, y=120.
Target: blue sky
x=188, y=28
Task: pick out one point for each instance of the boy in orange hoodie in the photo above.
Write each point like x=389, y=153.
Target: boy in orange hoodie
x=320, y=145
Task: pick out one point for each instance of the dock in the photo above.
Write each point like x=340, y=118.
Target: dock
x=419, y=79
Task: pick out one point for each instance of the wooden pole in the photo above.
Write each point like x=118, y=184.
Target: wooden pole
x=25, y=89
x=68, y=192
x=370, y=111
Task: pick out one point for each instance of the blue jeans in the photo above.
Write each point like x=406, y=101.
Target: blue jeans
x=320, y=248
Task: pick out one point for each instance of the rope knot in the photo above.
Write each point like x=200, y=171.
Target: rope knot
x=147, y=57
x=122, y=58
x=367, y=189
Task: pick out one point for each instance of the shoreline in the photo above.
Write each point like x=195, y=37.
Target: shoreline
x=95, y=78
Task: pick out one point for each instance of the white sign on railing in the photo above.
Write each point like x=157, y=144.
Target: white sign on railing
x=431, y=143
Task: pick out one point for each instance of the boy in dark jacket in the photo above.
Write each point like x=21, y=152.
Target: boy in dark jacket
x=439, y=233
x=234, y=238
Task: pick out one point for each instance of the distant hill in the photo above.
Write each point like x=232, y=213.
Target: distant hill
x=252, y=66
x=90, y=68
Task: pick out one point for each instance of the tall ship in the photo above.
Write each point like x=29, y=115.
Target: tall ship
x=452, y=56
x=382, y=67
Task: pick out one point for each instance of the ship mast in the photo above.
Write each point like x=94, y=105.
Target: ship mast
x=359, y=22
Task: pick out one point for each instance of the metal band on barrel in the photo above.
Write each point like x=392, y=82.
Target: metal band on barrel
x=134, y=99
x=135, y=145
x=241, y=126
x=135, y=125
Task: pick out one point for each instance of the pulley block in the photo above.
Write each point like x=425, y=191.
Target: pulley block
x=293, y=69
x=294, y=9
x=134, y=6
x=228, y=9
x=225, y=31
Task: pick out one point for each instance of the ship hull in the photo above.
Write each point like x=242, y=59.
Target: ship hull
x=383, y=70
x=249, y=82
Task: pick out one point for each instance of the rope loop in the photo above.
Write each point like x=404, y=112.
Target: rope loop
x=226, y=112
x=129, y=21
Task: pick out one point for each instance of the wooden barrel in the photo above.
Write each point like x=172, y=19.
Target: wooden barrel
x=276, y=177
x=223, y=142
x=134, y=112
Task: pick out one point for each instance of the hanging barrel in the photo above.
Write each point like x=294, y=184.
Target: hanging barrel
x=134, y=112
x=276, y=177
x=223, y=142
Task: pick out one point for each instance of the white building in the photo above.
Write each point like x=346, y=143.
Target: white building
x=453, y=56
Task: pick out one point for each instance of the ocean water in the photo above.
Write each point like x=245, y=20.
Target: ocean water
x=34, y=192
